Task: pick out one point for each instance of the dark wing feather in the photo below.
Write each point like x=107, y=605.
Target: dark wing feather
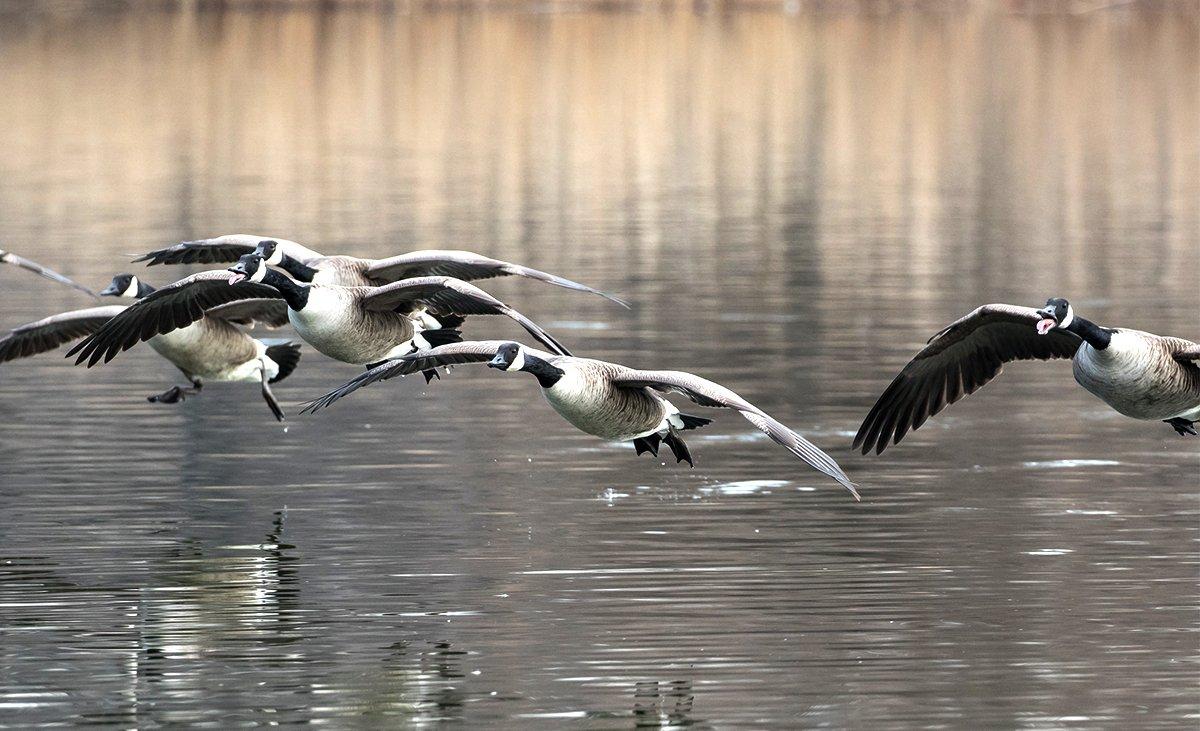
x=269, y=312
x=174, y=306
x=471, y=351
x=1184, y=351
x=467, y=266
x=8, y=257
x=221, y=250
x=452, y=296
x=51, y=332
x=957, y=361
x=708, y=393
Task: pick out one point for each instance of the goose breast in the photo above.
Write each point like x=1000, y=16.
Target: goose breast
x=1137, y=376
x=208, y=348
x=586, y=398
x=334, y=322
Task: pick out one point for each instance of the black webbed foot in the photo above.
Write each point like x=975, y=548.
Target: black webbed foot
x=1183, y=427
x=431, y=374
x=678, y=448
x=647, y=444
x=172, y=395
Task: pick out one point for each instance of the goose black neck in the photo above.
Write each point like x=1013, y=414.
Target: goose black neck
x=294, y=293
x=546, y=373
x=143, y=289
x=297, y=269
x=1092, y=334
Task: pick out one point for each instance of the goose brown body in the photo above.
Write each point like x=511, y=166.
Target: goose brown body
x=335, y=323
x=209, y=348
x=587, y=398
x=1139, y=376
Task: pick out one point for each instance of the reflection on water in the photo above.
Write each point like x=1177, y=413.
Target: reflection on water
x=793, y=203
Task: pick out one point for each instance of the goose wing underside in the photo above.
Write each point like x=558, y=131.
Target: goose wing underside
x=707, y=393
x=269, y=312
x=958, y=360
x=174, y=306
x=469, y=351
x=222, y=250
x=7, y=257
x=51, y=332
x=450, y=295
x=467, y=266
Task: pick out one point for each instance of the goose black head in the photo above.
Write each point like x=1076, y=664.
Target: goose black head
x=270, y=251
x=1056, y=314
x=126, y=285
x=509, y=357
x=250, y=267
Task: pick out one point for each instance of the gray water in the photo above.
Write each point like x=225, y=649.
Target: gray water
x=793, y=202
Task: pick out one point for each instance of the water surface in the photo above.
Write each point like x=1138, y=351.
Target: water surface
x=793, y=203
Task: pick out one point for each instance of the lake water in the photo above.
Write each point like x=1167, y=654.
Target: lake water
x=793, y=200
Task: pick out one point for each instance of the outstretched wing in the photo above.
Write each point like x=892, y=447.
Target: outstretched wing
x=221, y=250
x=447, y=294
x=51, y=332
x=466, y=265
x=269, y=312
x=174, y=306
x=708, y=393
x=957, y=361
x=8, y=257
x=469, y=351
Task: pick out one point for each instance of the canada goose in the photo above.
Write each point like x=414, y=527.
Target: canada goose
x=360, y=325
x=7, y=257
x=604, y=399
x=306, y=265
x=1137, y=373
x=211, y=348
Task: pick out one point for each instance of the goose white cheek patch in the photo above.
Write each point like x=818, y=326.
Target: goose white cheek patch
x=1045, y=326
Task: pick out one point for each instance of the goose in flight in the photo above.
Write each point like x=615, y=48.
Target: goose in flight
x=7, y=257
x=1138, y=374
x=209, y=349
x=607, y=400
x=306, y=265
x=360, y=325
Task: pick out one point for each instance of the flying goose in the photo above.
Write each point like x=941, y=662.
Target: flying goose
x=211, y=348
x=607, y=400
x=360, y=325
x=306, y=265
x=7, y=257
x=1137, y=373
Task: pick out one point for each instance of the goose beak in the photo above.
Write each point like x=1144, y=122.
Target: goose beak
x=1048, y=321
x=239, y=273
x=110, y=291
x=497, y=362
